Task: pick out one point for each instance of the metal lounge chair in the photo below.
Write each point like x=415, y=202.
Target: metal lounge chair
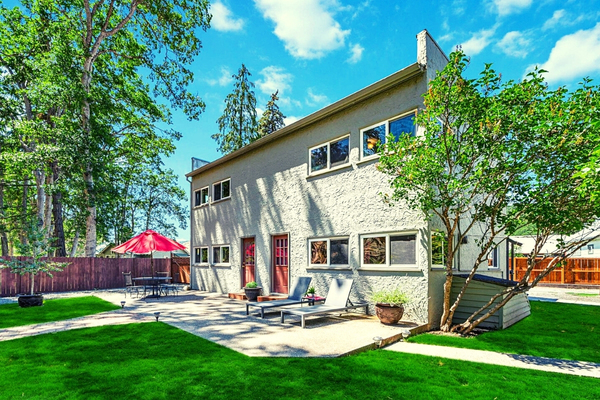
x=337, y=300
x=299, y=288
x=129, y=286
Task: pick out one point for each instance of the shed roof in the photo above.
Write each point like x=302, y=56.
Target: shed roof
x=489, y=279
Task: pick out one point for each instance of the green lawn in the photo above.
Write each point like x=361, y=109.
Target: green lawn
x=557, y=330
x=157, y=361
x=52, y=310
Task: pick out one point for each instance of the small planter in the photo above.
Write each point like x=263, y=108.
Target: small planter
x=28, y=300
x=252, y=293
x=389, y=314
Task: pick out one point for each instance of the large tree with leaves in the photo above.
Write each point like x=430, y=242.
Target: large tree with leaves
x=237, y=125
x=494, y=157
x=272, y=118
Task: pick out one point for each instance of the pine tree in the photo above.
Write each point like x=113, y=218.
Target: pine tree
x=272, y=118
x=237, y=125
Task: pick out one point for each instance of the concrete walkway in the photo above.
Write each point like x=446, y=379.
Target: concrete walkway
x=509, y=360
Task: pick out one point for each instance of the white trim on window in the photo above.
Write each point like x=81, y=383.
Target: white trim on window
x=328, y=262
x=199, y=258
x=387, y=264
x=220, y=191
x=199, y=199
x=223, y=255
x=493, y=259
x=386, y=127
x=328, y=166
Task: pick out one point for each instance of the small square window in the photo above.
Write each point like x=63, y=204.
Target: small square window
x=221, y=255
x=201, y=197
x=221, y=190
x=329, y=155
x=201, y=255
x=325, y=252
x=403, y=249
x=374, y=250
x=493, y=258
x=376, y=134
x=590, y=249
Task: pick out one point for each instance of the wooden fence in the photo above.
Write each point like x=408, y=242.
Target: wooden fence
x=577, y=271
x=92, y=273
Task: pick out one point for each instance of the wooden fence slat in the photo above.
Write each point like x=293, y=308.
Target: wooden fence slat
x=578, y=271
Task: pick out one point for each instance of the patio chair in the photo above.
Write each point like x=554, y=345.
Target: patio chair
x=299, y=288
x=167, y=288
x=337, y=300
x=129, y=285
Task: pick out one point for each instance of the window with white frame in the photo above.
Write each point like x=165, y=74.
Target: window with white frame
x=329, y=155
x=493, y=258
x=439, y=245
x=590, y=249
x=375, y=134
x=220, y=255
x=396, y=249
x=201, y=197
x=201, y=255
x=221, y=190
x=328, y=251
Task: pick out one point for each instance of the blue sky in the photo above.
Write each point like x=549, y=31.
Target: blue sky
x=316, y=52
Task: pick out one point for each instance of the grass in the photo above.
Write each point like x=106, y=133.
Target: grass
x=583, y=294
x=157, y=361
x=52, y=310
x=556, y=330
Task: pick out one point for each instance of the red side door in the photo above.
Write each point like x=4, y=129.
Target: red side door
x=248, y=267
x=280, y=264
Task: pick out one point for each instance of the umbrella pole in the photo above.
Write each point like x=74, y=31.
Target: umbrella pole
x=152, y=263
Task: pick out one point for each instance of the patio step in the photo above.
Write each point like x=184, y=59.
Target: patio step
x=237, y=296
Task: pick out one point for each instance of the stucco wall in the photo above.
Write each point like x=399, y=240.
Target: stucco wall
x=272, y=193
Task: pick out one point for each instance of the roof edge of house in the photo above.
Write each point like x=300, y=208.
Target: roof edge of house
x=376, y=88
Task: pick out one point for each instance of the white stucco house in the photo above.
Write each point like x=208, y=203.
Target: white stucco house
x=305, y=201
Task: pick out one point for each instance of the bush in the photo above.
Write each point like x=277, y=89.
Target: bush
x=251, y=285
x=393, y=297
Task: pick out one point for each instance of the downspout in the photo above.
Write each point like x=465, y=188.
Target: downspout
x=187, y=178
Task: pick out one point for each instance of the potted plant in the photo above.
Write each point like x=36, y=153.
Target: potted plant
x=252, y=290
x=389, y=305
x=36, y=246
x=311, y=291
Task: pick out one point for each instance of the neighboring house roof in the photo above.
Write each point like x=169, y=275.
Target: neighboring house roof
x=528, y=242
x=376, y=88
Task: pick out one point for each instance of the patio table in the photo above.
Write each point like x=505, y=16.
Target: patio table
x=154, y=282
x=313, y=299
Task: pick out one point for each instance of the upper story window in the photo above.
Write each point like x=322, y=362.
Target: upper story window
x=201, y=255
x=328, y=251
x=221, y=190
x=201, y=197
x=372, y=135
x=396, y=249
x=330, y=155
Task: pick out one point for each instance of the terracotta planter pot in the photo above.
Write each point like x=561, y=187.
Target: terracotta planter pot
x=388, y=314
x=252, y=293
x=28, y=300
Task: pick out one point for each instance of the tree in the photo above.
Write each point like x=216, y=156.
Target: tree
x=496, y=157
x=237, y=125
x=272, y=118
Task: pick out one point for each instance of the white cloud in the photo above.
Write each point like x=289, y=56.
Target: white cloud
x=355, y=54
x=557, y=18
x=506, y=7
x=225, y=79
x=515, y=44
x=314, y=99
x=223, y=20
x=306, y=27
x=574, y=56
x=290, y=120
x=274, y=78
x=478, y=41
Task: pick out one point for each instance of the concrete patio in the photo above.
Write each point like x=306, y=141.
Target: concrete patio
x=222, y=320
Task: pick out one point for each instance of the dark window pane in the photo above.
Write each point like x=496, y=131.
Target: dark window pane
x=403, y=126
x=204, y=255
x=339, y=251
x=339, y=152
x=197, y=255
x=204, y=196
x=403, y=249
x=225, y=188
x=318, y=158
x=197, y=198
x=225, y=254
x=318, y=252
x=217, y=191
x=374, y=250
x=371, y=138
x=216, y=255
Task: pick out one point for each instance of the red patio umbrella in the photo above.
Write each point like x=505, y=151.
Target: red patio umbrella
x=147, y=243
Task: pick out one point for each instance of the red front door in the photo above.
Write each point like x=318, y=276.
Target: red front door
x=280, y=264
x=248, y=267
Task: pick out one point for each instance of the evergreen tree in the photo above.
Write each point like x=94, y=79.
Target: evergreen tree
x=237, y=125
x=272, y=118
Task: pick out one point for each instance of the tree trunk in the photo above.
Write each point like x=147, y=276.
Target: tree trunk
x=22, y=236
x=3, y=228
x=75, y=243
x=57, y=211
x=446, y=321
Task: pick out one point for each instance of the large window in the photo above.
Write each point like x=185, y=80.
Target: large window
x=373, y=135
x=221, y=190
x=201, y=255
x=220, y=255
x=398, y=249
x=330, y=155
x=329, y=251
x=201, y=197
